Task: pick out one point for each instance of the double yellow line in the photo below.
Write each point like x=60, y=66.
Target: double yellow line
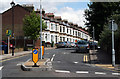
x=85, y=58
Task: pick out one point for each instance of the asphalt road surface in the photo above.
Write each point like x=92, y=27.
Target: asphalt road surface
x=66, y=63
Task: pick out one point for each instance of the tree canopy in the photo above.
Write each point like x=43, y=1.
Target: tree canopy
x=31, y=25
x=97, y=15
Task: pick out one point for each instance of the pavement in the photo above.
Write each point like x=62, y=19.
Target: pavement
x=6, y=56
x=101, y=59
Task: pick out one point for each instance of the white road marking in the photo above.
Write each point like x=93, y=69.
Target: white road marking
x=62, y=71
x=100, y=73
x=115, y=73
x=75, y=62
x=19, y=64
x=1, y=67
x=58, y=61
x=82, y=72
x=52, y=57
x=64, y=53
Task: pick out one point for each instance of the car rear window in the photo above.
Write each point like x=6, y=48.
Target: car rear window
x=82, y=42
x=60, y=42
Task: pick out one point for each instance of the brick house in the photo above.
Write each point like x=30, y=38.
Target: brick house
x=19, y=14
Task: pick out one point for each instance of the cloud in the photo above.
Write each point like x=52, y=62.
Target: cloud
x=75, y=16
x=49, y=0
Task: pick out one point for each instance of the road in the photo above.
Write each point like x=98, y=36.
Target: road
x=65, y=62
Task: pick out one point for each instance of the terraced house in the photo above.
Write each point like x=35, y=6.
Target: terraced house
x=57, y=28
x=62, y=30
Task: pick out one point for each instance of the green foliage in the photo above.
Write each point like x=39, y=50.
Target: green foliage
x=31, y=25
x=98, y=13
x=105, y=39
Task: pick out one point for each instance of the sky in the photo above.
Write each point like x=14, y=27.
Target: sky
x=72, y=10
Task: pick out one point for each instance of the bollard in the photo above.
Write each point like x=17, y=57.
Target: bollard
x=42, y=52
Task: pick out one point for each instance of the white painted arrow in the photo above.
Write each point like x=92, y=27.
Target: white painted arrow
x=1, y=67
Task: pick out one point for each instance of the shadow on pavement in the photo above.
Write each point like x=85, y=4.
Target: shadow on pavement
x=79, y=52
x=103, y=57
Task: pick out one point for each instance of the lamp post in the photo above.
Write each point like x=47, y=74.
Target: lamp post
x=40, y=30
x=113, y=50
x=12, y=5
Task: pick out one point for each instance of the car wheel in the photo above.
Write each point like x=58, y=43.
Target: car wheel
x=76, y=51
x=87, y=51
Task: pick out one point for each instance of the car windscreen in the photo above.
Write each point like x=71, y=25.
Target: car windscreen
x=82, y=42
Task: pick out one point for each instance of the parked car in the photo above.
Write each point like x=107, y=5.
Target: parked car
x=73, y=44
x=67, y=44
x=6, y=44
x=3, y=44
x=82, y=46
x=60, y=44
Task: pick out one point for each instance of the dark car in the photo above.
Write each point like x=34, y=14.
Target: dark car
x=67, y=44
x=60, y=44
x=3, y=45
x=82, y=46
x=93, y=44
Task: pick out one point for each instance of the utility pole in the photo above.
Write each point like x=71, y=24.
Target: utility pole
x=40, y=30
x=12, y=4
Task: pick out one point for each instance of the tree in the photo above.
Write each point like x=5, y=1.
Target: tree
x=97, y=15
x=106, y=38
x=31, y=25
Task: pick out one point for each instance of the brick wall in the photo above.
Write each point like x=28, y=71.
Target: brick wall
x=19, y=14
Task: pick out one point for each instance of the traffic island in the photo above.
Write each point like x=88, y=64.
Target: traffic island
x=43, y=65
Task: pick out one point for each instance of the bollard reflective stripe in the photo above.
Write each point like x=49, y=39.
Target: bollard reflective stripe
x=42, y=50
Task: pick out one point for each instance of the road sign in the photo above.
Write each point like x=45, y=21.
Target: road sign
x=115, y=26
x=8, y=33
x=35, y=55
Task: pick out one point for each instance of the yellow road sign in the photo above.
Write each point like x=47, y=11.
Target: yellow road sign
x=35, y=55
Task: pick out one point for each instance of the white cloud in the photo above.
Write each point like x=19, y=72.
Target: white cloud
x=49, y=0
x=75, y=16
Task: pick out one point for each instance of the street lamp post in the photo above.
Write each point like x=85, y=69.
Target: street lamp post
x=12, y=4
x=113, y=50
x=40, y=30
